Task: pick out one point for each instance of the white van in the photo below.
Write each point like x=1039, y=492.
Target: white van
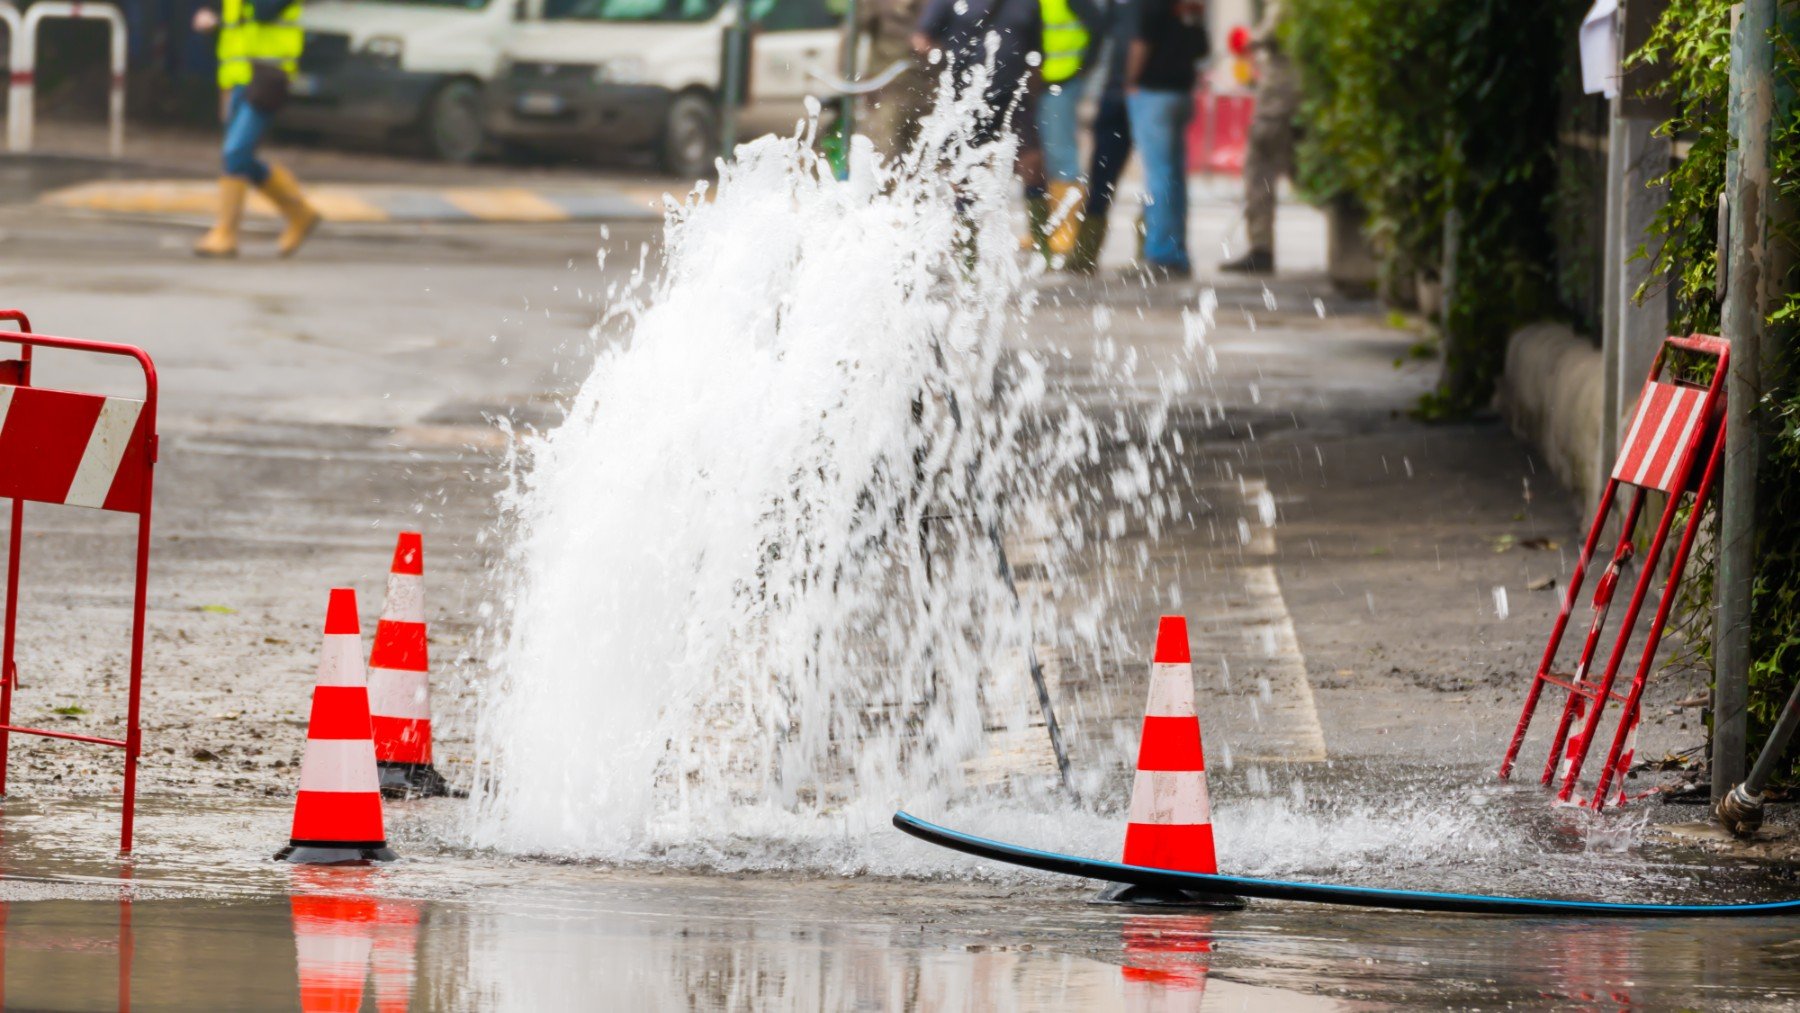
x=377, y=68
x=648, y=75
x=571, y=74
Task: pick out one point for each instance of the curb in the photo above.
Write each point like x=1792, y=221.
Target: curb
x=371, y=204
x=1552, y=395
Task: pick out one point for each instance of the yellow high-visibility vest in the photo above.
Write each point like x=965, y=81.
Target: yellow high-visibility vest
x=243, y=39
x=1065, y=41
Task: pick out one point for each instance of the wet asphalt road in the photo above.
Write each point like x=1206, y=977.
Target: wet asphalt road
x=312, y=408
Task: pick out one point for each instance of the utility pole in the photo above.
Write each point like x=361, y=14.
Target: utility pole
x=1746, y=286
x=737, y=58
x=847, y=65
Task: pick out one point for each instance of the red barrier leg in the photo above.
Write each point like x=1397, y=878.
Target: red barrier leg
x=1603, y=592
x=1639, y=589
x=137, y=675
x=1556, y=632
x=9, y=672
x=1630, y=714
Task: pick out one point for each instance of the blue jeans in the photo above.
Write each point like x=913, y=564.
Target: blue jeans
x=245, y=126
x=1159, y=122
x=1058, y=108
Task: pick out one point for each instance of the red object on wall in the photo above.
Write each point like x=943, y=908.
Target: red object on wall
x=1239, y=40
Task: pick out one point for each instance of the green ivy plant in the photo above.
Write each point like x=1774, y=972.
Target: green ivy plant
x=1428, y=110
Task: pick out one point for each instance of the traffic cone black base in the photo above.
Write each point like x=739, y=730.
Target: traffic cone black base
x=1133, y=895
x=411, y=780
x=332, y=853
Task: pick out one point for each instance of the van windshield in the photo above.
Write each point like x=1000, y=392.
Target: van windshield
x=631, y=10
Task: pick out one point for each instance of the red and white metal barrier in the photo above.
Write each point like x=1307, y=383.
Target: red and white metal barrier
x=1673, y=446
x=75, y=449
x=21, y=93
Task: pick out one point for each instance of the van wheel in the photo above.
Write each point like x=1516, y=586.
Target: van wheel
x=690, y=139
x=451, y=126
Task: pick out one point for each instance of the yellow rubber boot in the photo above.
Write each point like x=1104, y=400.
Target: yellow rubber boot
x=222, y=239
x=1069, y=201
x=284, y=191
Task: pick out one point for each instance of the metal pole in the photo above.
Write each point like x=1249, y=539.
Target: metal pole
x=737, y=51
x=1741, y=810
x=847, y=66
x=1037, y=669
x=1745, y=246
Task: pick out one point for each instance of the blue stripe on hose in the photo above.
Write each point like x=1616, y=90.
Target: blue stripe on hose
x=1399, y=897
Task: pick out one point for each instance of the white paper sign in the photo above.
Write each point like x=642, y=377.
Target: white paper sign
x=1600, y=49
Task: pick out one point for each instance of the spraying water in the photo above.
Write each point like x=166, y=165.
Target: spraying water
x=753, y=574
x=754, y=596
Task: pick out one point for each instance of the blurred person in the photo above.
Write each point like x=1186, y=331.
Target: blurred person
x=1070, y=27
x=1270, y=153
x=1161, y=69
x=890, y=117
x=1111, y=132
x=259, y=51
x=1005, y=34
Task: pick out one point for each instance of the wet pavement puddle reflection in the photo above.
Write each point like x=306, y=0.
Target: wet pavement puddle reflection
x=201, y=918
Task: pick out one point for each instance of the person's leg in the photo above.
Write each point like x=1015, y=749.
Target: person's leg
x=244, y=131
x=243, y=134
x=1156, y=120
x=1020, y=116
x=222, y=239
x=1181, y=112
x=1059, y=108
x=1112, y=149
x=300, y=216
x=1058, y=111
x=1265, y=159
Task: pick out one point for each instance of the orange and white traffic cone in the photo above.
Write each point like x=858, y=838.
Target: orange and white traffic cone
x=1170, y=825
x=400, y=682
x=333, y=939
x=337, y=816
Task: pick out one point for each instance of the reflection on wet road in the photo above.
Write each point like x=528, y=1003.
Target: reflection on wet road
x=205, y=920
x=582, y=938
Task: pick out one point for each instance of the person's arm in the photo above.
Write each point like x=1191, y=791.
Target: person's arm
x=929, y=33
x=1135, y=59
x=933, y=20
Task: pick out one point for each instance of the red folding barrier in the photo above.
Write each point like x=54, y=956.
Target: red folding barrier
x=1678, y=426
x=75, y=449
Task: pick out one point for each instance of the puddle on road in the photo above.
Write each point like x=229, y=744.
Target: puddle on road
x=648, y=941
x=201, y=910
